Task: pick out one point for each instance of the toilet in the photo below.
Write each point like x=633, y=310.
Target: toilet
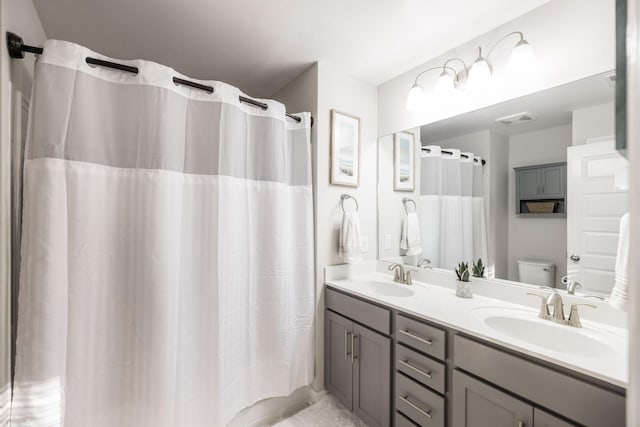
x=536, y=272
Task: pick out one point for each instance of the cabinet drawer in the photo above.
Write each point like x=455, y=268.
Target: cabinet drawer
x=402, y=421
x=370, y=315
x=575, y=399
x=421, y=368
x=422, y=337
x=418, y=403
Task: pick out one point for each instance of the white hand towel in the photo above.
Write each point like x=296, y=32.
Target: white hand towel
x=410, y=235
x=620, y=293
x=350, y=248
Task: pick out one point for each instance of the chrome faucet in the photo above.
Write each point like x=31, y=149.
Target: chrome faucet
x=572, y=286
x=424, y=263
x=398, y=275
x=554, y=299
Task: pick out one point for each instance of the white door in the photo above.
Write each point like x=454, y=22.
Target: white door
x=594, y=208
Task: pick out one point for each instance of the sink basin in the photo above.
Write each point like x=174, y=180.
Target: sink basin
x=525, y=326
x=388, y=289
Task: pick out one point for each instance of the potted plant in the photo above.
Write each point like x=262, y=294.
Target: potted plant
x=463, y=286
x=478, y=268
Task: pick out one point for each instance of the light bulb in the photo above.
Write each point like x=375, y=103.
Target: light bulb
x=415, y=99
x=522, y=61
x=479, y=74
x=445, y=84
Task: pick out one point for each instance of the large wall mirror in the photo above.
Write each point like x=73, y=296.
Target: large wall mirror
x=534, y=187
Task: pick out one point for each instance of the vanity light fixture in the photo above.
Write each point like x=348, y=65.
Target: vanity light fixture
x=478, y=76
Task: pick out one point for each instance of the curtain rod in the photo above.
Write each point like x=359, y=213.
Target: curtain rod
x=428, y=150
x=17, y=49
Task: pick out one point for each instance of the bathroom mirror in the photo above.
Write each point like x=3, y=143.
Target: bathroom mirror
x=533, y=186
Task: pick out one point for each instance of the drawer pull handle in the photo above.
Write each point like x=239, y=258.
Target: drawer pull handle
x=415, y=337
x=413, y=368
x=416, y=407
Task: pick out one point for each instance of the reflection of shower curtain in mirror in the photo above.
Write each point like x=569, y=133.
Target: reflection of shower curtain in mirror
x=452, y=208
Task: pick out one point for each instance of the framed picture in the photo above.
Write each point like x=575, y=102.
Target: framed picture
x=404, y=158
x=345, y=149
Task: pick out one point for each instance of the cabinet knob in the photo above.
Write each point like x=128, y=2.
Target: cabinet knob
x=575, y=258
x=521, y=424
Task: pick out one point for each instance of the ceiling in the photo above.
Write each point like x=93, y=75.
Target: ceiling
x=261, y=45
x=551, y=107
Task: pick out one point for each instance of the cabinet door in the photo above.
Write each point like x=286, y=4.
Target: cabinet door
x=544, y=419
x=338, y=369
x=476, y=404
x=553, y=181
x=529, y=184
x=371, y=377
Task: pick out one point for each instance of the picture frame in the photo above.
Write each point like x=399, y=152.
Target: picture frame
x=404, y=161
x=345, y=149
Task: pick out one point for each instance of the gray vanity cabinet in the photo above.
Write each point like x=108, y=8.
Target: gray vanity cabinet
x=358, y=359
x=480, y=405
x=338, y=369
x=544, y=419
x=371, y=376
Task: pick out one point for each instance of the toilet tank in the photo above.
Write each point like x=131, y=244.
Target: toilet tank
x=536, y=272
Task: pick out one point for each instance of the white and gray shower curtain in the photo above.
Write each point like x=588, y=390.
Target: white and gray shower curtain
x=452, y=213
x=167, y=255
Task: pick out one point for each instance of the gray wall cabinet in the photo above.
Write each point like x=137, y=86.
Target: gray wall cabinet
x=392, y=368
x=541, y=183
x=357, y=361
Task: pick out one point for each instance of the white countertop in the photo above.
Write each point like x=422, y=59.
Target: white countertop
x=439, y=304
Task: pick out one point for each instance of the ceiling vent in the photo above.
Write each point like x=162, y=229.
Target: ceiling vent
x=515, y=119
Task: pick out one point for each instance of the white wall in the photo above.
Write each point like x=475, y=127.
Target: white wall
x=344, y=93
x=537, y=238
x=18, y=16
x=572, y=39
x=390, y=206
x=335, y=90
x=596, y=121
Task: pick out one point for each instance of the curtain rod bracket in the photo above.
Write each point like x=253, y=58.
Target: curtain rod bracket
x=17, y=48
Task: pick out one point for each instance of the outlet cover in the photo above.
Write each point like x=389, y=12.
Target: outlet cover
x=365, y=244
x=387, y=242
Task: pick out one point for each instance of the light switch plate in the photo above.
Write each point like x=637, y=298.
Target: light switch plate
x=387, y=242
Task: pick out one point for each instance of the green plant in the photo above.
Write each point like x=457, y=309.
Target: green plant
x=478, y=268
x=463, y=272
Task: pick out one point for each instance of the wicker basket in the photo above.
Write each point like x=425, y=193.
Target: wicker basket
x=542, y=207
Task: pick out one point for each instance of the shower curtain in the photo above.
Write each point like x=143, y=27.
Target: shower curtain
x=167, y=257
x=452, y=208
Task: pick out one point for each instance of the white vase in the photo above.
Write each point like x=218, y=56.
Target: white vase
x=464, y=289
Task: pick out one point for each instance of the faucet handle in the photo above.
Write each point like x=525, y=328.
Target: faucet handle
x=544, y=308
x=574, y=317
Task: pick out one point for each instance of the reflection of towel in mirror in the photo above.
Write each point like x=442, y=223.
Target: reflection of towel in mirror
x=350, y=248
x=620, y=293
x=410, y=235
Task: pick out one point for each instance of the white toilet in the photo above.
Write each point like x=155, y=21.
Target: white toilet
x=535, y=272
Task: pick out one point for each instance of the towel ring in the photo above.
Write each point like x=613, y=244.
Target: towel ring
x=406, y=200
x=347, y=196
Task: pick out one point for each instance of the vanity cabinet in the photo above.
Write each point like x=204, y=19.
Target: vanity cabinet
x=478, y=404
x=541, y=183
x=393, y=368
x=357, y=358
